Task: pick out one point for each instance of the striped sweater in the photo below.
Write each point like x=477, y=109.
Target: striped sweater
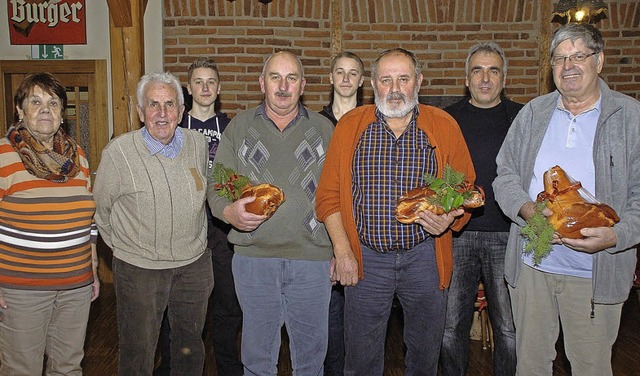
x=46, y=228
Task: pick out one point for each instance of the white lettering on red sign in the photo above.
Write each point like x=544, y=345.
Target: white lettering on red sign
x=50, y=12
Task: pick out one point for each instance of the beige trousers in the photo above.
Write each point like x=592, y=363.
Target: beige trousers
x=541, y=303
x=36, y=323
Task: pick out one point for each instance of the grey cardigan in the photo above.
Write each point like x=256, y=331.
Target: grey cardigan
x=616, y=156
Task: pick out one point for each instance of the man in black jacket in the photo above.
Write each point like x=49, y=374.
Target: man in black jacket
x=478, y=251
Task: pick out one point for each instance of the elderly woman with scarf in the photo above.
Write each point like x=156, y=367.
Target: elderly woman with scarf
x=48, y=256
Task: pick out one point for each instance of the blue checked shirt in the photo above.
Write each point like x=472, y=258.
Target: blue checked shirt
x=384, y=168
x=171, y=150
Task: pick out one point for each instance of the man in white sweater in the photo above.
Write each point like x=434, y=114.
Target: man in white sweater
x=150, y=193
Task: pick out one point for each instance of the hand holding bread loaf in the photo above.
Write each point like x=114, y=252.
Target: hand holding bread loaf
x=571, y=211
x=229, y=184
x=439, y=195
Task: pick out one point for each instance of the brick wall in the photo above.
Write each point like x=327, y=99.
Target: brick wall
x=239, y=34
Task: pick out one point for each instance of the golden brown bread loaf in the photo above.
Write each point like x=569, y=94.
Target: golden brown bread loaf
x=268, y=199
x=417, y=200
x=571, y=212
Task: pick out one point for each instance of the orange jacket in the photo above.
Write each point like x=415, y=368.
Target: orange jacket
x=334, y=189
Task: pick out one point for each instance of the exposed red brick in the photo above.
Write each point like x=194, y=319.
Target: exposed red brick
x=190, y=22
x=413, y=27
x=277, y=42
x=218, y=23
x=443, y=81
x=199, y=40
x=424, y=37
x=199, y=51
x=221, y=41
x=467, y=27
x=277, y=23
x=250, y=41
x=241, y=34
x=440, y=64
x=306, y=24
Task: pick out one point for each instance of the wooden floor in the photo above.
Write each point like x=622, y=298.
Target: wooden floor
x=101, y=348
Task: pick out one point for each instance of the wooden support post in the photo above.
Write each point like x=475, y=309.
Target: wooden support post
x=336, y=27
x=544, y=75
x=126, y=31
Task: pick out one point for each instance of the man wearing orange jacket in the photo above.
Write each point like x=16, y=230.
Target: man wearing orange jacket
x=376, y=154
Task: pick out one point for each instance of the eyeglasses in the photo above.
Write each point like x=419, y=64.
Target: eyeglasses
x=575, y=58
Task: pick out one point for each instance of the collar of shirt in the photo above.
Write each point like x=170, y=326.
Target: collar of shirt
x=302, y=111
x=380, y=119
x=384, y=167
x=171, y=150
x=596, y=106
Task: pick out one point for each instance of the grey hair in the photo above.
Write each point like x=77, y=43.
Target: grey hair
x=486, y=47
x=161, y=78
x=264, y=68
x=401, y=51
x=589, y=34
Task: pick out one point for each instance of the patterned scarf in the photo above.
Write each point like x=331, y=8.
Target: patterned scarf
x=57, y=165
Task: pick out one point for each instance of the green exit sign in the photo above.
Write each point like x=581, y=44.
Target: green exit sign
x=47, y=51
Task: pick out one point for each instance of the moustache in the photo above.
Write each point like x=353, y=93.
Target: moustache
x=282, y=94
x=396, y=96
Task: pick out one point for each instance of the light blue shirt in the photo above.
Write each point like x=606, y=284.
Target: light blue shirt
x=171, y=150
x=567, y=143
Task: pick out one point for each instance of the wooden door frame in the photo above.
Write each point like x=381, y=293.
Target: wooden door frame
x=98, y=110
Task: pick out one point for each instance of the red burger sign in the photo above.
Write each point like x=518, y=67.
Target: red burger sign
x=47, y=22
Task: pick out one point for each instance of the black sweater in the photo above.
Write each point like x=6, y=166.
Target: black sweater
x=484, y=130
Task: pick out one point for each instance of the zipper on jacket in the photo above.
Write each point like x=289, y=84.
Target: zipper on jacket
x=593, y=314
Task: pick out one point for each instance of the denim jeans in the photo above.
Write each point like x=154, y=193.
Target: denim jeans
x=412, y=275
x=334, y=361
x=476, y=255
x=142, y=295
x=277, y=291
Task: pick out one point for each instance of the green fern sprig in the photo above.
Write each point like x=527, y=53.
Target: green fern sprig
x=229, y=183
x=449, y=189
x=452, y=177
x=539, y=233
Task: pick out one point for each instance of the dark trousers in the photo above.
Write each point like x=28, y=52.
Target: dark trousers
x=142, y=295
x=334, y=361
x=478, y=255
x=225, y=315
x=412, y=275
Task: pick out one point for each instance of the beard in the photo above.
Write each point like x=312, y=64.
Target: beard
x=396, y=111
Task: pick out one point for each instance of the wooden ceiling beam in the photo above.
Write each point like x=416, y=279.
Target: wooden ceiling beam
x=121, y=12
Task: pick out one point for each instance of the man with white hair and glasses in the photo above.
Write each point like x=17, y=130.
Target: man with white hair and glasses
x=593, y=133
